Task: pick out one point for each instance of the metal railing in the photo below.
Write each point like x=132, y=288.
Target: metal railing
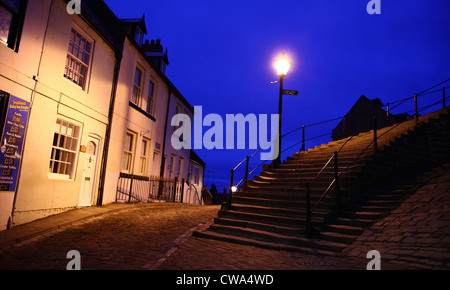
x=135, y=188
x=374, y=142
x=416, y=110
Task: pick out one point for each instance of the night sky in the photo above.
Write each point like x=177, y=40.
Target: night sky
x=221, y=56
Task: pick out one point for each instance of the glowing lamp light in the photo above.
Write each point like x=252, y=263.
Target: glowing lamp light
x=282, y=65
x=233, y=188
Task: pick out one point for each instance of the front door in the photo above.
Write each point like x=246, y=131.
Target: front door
x=88, y=178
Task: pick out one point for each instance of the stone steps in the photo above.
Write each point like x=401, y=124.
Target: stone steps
x=271, y=213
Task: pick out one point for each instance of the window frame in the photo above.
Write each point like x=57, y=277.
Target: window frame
x=151, y=96
x=180, y=167
x=137, y=99
x=73, y=151
x=130, y=152
x=16, y=24
x=144, y=159
x=196, y=175
x=79, y=62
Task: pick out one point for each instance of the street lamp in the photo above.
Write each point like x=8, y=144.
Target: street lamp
x=282, y=65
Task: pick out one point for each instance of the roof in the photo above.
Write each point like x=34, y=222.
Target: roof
x=133, y=22
x=195, y=158
x=104, y=22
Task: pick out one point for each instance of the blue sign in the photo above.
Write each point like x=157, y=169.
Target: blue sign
x=12, y=142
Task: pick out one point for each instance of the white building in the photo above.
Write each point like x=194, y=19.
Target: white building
x=83, y=100
x=64, y=66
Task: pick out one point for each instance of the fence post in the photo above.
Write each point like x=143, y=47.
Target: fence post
x=131, y=189
x=175, y=189
x=415, y=108
x=308, y=211
x=375, y=137
x=336, y=180
x=182, y=190
x=246, y=173
x=303, y=139
x=230, y=193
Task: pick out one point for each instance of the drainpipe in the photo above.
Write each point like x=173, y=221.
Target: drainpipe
x=101, y=184
x=161, y=172
x=10, y=223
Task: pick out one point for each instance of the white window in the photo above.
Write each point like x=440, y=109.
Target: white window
x=196, y=176
x=150, y=98
x=180, y=167
x=143, y=159
x=78, y=59
x=171, y=165
x=64, y=148
x=128, y=152
x=137, y=87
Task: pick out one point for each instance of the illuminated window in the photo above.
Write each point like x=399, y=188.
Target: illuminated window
x=64, y=148
x=128, y=152
x=78, y=59
x=137, y=87
x=143, y=159
x=11, y=18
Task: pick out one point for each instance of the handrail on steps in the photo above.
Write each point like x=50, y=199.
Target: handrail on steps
x=416, y=111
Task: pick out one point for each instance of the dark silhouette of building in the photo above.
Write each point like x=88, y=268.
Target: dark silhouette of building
x=360, y=118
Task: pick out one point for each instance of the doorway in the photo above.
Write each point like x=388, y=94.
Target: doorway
x=89, y=172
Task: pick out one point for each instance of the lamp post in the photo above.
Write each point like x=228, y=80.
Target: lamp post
x=282, y=65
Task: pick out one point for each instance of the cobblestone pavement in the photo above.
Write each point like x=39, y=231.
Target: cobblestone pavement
x=417, y=233
x=125, y=240
x=158, y=236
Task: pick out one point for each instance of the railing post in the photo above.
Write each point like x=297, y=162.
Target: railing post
x=415, y=108
x=303, y=139
x=182, y=190
x=131, y=189
x=175, y=189
x=308, y=211
x=336, y=180
x=387, y=114
x=230, y=193
x=246, y=173
x=375, y=137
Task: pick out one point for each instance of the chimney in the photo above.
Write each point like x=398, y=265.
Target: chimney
x=152, y=46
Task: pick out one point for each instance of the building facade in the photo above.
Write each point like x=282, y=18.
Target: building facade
x=81, y=103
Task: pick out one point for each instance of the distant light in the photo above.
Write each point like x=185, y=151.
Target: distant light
x=233, y=188
x=282, y=65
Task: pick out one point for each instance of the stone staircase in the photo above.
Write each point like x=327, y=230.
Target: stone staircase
x=271, y=212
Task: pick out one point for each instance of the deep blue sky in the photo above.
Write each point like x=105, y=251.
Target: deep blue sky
x=221, y=55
